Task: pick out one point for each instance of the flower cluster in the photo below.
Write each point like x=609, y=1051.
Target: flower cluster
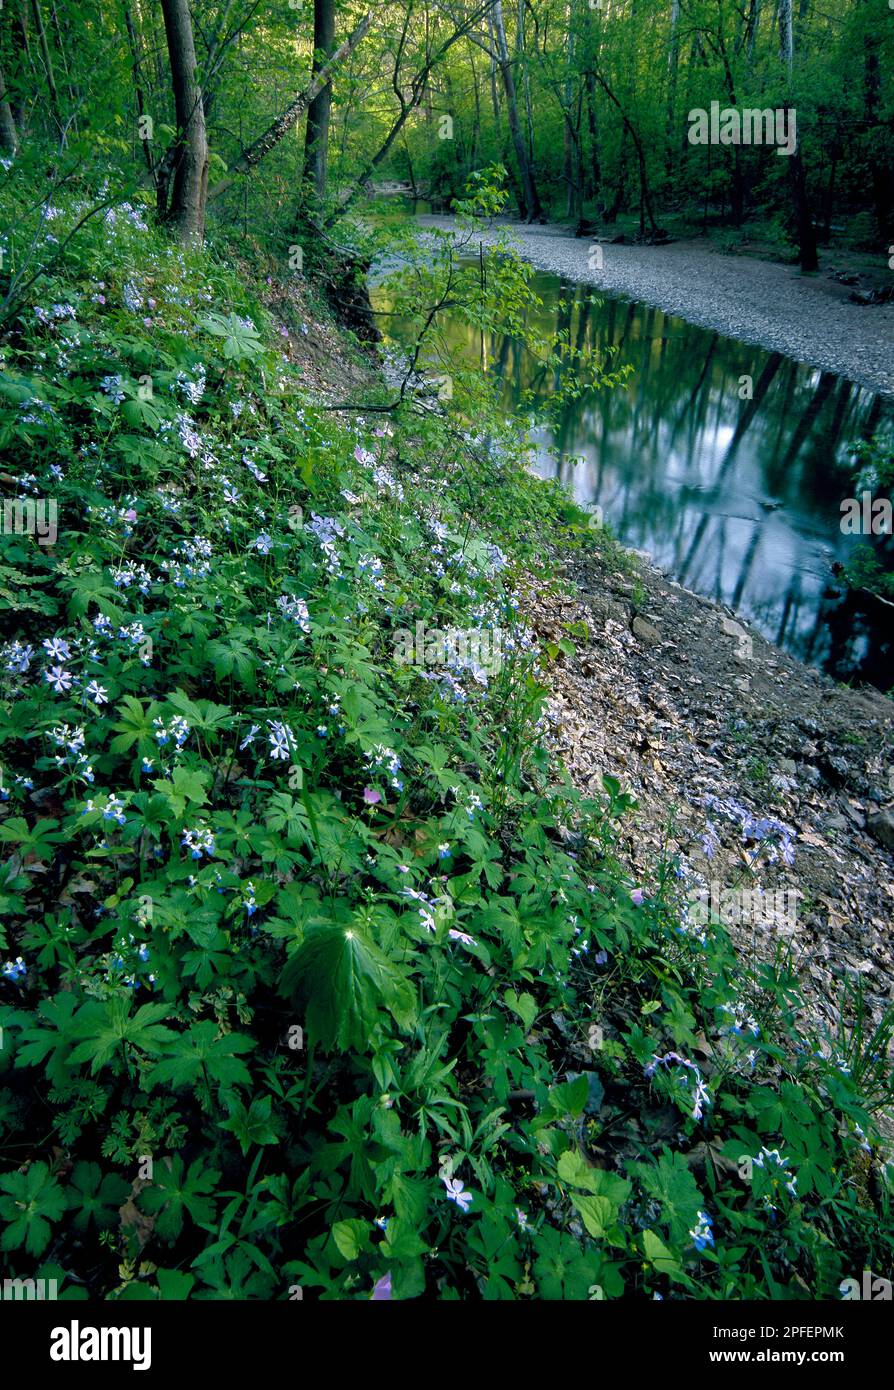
x=700, y=1093
x=379, y=758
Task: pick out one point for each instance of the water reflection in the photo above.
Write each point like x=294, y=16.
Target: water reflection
x=737, y=498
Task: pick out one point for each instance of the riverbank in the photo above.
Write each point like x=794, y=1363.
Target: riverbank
x=809, y=318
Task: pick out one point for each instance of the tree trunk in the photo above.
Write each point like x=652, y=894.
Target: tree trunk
x=316, y=137
x=673, y=64
x=476, y=128
x=186, y=210
x=568, y=141
x=806, y=232
x=136, y=69
x=595, y=166
x=48, y=67
x=521, y=50
x=533, y=211
x=9, y=140
x=786, y=36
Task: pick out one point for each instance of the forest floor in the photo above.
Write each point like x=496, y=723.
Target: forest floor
x=808, y=317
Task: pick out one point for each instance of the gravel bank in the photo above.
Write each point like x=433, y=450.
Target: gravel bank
x=808, y=318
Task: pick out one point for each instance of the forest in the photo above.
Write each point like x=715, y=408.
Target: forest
x=408, y=890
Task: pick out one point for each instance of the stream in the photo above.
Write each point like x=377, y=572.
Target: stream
x=737, y=499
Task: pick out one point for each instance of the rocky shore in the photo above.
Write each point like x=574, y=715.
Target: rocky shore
x=808, y=317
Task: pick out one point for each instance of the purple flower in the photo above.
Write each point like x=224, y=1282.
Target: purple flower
x=371, y=796
x=382, y=1290
x=636, y=897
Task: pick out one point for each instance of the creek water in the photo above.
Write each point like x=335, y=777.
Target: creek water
x=739, y=499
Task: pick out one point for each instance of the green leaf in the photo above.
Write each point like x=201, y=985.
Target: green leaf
x=35, y=1199
x=525, y=1005
x=251, y=1125
x=597, y=1212
x=174, y=1193
x=570, y=1097
x=574, y=1170
x=174, y=1284
x=663, y=1260
x=351, y=1237
x=108, y=1028
x=96, y=1196
x=202, y=1054
x=670, y=1181
x=344, y=980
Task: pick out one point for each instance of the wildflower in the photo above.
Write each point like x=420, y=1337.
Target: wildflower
x=97, y=693
x=371, y=796
x=15, y=969
x=710, y=840
x=113, y=388
x=636, y=897
x=295, y=609
x=60, y=680
x=701, y=1234
x=17, y=657
x=199, y=841
x=444, y=851
x=56, y=649
x=113, y=810
x=382, y=1289
x=456, y=1194
x=133, y=300
x=262, y=543
x=249, y=737
x=282, y=740
x=701, y=1097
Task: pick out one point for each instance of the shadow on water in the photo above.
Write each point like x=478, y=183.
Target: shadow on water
x=737, y=498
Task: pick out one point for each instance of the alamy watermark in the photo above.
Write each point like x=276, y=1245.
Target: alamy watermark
x=867, y=516
x=29, y=1290
x=29, y=516
x=744, y=906
x=873, y=1288
x=469, y=648
x=750, y=126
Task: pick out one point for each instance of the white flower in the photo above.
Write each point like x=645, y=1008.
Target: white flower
x=282, y=740
x=60, y=680
x=56, y=649
x=456, y=1194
